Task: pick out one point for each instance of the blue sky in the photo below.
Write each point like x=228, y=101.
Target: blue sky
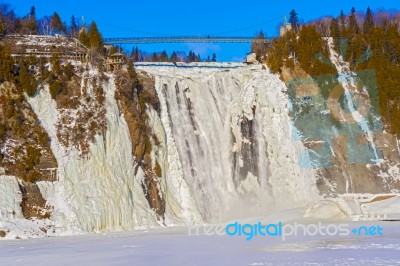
x=125, y=18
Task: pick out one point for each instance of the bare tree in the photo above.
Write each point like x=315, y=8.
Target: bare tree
x=396, y=21
x=44, y=26
x=381, y=18
x=325, y=26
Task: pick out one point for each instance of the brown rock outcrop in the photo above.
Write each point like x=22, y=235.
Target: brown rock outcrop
x=134, y=95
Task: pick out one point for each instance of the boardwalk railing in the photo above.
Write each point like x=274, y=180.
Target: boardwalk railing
x=50, y=172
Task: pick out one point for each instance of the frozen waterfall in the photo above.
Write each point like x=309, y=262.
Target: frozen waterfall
x=232, y=130
x=226, y=151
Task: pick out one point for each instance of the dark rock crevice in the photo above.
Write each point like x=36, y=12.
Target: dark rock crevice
x=33, y=205
x=248, y=153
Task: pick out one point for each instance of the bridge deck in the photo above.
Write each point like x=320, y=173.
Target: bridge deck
x=182, y=39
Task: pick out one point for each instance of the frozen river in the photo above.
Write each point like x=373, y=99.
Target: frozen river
x=173, y=246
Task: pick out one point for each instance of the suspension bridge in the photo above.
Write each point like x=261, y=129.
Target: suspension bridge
x=184, y=39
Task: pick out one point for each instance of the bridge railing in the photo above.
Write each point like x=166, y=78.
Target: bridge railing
x=183, y=39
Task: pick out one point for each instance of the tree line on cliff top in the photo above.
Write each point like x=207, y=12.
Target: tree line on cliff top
x=366, y=40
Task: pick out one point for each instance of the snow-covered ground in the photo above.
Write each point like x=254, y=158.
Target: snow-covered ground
x=173, y=246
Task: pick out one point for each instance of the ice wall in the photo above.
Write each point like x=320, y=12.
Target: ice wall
x=230, y=125
x=225, y=147
x=100, y=191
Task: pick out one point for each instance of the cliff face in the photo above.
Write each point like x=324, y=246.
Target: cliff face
x=99, y=162
x=25, y=149
x=182, y=144
x=136, y=97
x=338, y=119
x=25, y=154
x=98, y=187
x=82, y=110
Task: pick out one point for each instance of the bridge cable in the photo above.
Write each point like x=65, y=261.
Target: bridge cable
x=248, y=27
x=213, y=34
x=126, y=29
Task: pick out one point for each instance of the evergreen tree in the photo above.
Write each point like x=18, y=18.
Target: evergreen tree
x=1, y=27
x=23, y=76
x=69, y=70
x=369, y=21
x=164, y=56
x=95, y=39
x=6, y=64
x=32, y=60
x=342, y=25
x=342, y=19
x=55, y=82
x=214, y=58
x=136, y=54
x=65, y=27
x=132, y=73
x=259, y=48
x=154, y=57
x=55, y=88
x=74, y=26
x=309, y=44
x=335, y=30
x=56, y=24
x=294, y=20
x=32, y=12
x=192, y=56
x=55, y=65
x=208, y=59
x=31, y=21
x=83, y=38
x=353, y=26
x=174, y=57
x=27, y=81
